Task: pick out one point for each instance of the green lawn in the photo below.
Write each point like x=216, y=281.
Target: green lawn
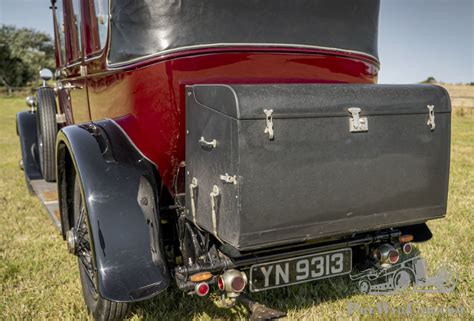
x=39, y=279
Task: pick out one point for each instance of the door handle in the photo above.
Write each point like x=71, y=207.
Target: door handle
x=207, y=144
x=68, y=86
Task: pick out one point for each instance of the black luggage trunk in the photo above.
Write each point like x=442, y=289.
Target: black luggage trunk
x=275, y=164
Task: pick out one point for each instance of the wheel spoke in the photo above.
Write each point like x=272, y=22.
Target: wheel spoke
x=81, y=216
x=84, y=246
x=87, y=266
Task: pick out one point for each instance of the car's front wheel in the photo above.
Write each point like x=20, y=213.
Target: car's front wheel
x=46, y=131
x=100, y=308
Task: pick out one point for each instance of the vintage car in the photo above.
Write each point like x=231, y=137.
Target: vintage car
x=235, y=146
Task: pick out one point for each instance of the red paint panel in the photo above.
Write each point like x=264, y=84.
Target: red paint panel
x=148, y=102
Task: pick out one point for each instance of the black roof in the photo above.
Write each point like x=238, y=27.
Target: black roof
x=141, y=28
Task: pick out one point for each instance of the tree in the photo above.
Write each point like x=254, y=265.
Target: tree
x=429, y=80
x=13, y=72
x=23, y=52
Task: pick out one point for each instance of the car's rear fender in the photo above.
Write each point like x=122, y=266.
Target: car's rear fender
x=119, y=187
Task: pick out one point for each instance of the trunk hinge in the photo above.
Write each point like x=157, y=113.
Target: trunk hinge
x=192, y=188
x=214, y=200
x=83, y=70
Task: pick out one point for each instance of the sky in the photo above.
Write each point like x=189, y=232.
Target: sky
x=417, y=38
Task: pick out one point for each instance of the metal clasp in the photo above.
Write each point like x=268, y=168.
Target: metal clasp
x=269, y=120
x=431, y=117
x=214, y=195
x=83, y=70
x=60, y=118
x=229, y=179
x=357, y=123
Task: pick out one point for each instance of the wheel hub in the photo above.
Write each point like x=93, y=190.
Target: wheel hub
x=71, y=240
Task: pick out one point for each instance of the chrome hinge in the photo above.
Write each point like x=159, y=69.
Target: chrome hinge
x=229, y=179
x=357, y=123
x=431, y=117
x=192, y=187
x=83, y=71
x=60, y=118
x=214, y=195
x=68, y=86
x=269, y=120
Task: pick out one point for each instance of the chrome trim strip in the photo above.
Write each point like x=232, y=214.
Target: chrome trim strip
x=117, y=65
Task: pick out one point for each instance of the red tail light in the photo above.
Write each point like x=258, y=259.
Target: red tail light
x=394, y=256
x=202, y=289
x=407, y=248
x=220, y=283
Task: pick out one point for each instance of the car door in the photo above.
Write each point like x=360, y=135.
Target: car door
x=106, y=91
x=72, y=80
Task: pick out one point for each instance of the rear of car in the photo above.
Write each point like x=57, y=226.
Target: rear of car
x=234, y=145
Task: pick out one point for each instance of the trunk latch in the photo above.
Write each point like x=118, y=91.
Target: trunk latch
x=192, y=187
x=229, y=179
x=431, y=117
x=357, y=123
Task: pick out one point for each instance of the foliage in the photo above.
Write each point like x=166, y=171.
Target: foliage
x=429, y=80
x=23, y=52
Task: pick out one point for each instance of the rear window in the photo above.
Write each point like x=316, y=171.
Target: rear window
x=76, y=30
x=60, y=31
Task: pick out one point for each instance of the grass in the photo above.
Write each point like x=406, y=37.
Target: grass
x=39, y=279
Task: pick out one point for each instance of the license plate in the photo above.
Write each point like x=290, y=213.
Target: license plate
x=300, y=269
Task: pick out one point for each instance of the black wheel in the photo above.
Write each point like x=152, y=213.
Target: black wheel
x=100, y=308
x=47, y=129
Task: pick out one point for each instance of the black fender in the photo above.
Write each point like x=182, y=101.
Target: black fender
x=120, y=189
x=26, y=130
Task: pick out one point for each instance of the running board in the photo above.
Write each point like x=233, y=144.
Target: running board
x=48, y=195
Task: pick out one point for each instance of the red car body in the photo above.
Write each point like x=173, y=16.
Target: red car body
x=155, y=120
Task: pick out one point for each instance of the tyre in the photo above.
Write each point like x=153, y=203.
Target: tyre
x=100, y=308
x=47, y=129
